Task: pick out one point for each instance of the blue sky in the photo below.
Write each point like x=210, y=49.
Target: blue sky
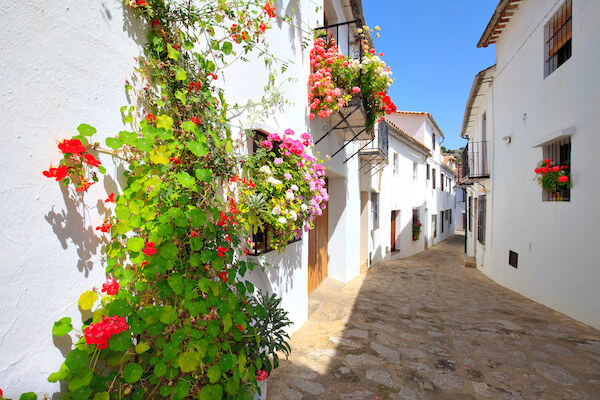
x=431, y=46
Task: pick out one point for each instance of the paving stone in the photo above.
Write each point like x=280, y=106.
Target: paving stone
x=407, y=394
x=283, y=392
x=413, y=353
x=380, y=376
x=448, y=381
x=357, y=333
x=387, y=353
x=534, y=387
x=555, y=374
x=419, y=366
x=342, y=341
x=482, y=389
x=310, y=387
x=357, y=395
x=556, y=348
x=362, y=359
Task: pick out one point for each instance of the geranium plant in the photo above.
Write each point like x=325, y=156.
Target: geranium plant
x=288, y=188
x=552, y=177
x=416, y=230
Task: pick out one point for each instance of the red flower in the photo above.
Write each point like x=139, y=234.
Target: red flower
x=232, y=207
x=91, y=160
x=111, y=287
x=556, y=168
x=149, y=249
x=372, y=51
x=547, y=160
x=175, y=160
x=223, y=275
x=150, y=118
x=59, y=173
x=105, y=227
x=563, y=178
x=196, y=120
x=244, y=35
x=85, y=185
x=72, y=146
x=155, y=22
x=269, y=10
x=100, y=333
x=194, y=234
x=537, y=170
x=110, y=199
x=262, y=27
x=143, y=264
x=380, y=54
x=241, y=328
x=195, y=86
x=261, y=375
x=222, y=251
x=222, y=219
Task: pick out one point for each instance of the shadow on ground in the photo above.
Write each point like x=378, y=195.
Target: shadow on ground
x=425, y=327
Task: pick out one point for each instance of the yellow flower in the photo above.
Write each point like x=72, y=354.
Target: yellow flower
x=377, y=28
x=377, y=35
x=360, y=30
x=365, y=27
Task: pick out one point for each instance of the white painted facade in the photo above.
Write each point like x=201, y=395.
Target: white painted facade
x=555, y=241
x=65, y=64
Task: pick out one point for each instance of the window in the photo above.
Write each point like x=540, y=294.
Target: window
x=442, y=220
x=450, y=217
x=481, y=218
x=416, y=224
x=559, y=152
x=428, y=173
x=396, y=164
x=375, y=209
x=513, y=259
x=433, y=177
x=433, y=141
x=470, y=212
x=442, y=181
x=434, y=225
x=414, y=171
x=557, y=38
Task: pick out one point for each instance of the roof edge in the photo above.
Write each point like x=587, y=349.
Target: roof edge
x=477, y=81
x=491, y=26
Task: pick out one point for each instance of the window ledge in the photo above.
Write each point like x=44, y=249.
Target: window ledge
x=564, y=133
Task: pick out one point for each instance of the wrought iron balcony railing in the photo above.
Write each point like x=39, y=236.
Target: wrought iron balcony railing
x=475, y=161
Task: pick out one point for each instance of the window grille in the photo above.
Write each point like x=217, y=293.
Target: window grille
x=428, y=172
x=375, y=209
x=559, y=152
x=481, y=203
x=557, y=37
x=513, y=259
x=470, y=212
x=434, y=225
x=433, y=177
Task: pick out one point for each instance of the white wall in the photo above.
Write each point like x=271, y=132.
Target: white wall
x=556, y=241
x=65, y=64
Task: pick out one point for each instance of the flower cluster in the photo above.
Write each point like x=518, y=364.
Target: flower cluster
x=328, y=68
x=261, y=375
x=289, y=188
x=552, y=177
x=76, y=164
x=111, y=287
x=101, y=332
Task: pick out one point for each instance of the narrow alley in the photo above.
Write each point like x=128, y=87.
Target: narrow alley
x=425, y=327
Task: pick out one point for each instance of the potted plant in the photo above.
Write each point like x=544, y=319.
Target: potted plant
x=270, y=322
x=416, y=230
x=553, y=178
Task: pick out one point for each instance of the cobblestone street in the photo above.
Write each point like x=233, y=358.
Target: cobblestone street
x=425, y=327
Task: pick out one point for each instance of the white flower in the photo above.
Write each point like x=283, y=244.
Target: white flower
x=293, y=216
x=271, y=180
x=276, y=210
x=304, y=207
x=289, y=195
x=295, y=188
x=265, y=170
x=276, y=182
x=281, y=220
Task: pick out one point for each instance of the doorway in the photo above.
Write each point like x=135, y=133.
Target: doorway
x=318, y=239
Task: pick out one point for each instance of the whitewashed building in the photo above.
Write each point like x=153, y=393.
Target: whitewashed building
x=51, y=252
x=539, y=101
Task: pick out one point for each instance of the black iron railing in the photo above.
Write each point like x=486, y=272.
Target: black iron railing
x=346, y=37
x=475, y=161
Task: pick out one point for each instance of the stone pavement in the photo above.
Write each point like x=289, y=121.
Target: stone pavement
x=425, y=327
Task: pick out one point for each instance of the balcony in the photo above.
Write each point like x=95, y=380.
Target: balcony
x=374, y=152
x=474, y=162
x=350, y=121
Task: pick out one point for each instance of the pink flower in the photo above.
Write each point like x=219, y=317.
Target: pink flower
x=288, y=132
x=274, y=137
x=287, y=176
x=261, y=375
x=266, y=144
x=355, y=90
x=278, y=161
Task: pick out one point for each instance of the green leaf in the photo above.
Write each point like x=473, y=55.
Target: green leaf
x=198, y=148
x=165, y=391
x=226, y=48
x=101, y=396
x=185, y=179
x=164, y=121
x=188, y=45
x=86, y=130
x=62, y=327
x=82, y=378
x=232, y=386
x=214, y=374
x=60, y=375
x=181, y=96
x=83, y=393
x=168, y=315
x=87, y=300
x=142, y=347
x=204, y=174
x=227, y=323
x=170, y=350
x=135, y=244
x=28, y=396
x=227, y=362
x=180, y=74
x=114, y=143
x=119, y=307
x=188, y=361
x=160, y=369
x=76, y=360
x=173, y=54
x=169, y=251
x=120, y=342
x=211, y=392
x=189, y=126
x=176, y=283
x=161, y=155
x=197, y=218
x=181, y=390
x=132, y=373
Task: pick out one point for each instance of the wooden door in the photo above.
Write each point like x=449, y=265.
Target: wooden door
x=318, y=251
x=393, y=230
